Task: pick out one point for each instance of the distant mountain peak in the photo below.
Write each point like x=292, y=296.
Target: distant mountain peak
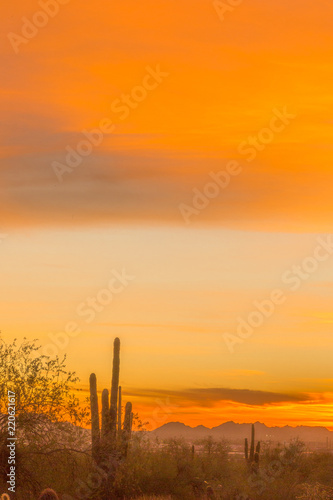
x=237, y=432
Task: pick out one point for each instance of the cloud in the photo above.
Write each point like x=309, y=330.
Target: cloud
x=146, y=186
x=210, y=397
x=60, y=85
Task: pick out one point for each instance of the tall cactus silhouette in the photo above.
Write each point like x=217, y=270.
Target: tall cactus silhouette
x=114, y=388
x=106, y=440
x=95, y=435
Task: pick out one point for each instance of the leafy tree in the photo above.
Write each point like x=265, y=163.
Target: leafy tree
x=48, y=412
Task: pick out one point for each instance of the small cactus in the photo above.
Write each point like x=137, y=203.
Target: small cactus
x=48, y=494
x=254, y=457
x=252, y=444
x=210, y=493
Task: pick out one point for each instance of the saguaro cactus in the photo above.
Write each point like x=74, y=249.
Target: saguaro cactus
x=253, y=459
x=105, y=442
x=246, y=450
x=114, y=389
x=252, y=444
x=95, y=436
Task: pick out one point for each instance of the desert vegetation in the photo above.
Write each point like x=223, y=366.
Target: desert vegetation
x=56, y=450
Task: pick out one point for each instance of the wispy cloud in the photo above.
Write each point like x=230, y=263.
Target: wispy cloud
x=209, y=397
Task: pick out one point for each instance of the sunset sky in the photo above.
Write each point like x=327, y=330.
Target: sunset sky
x=260, y=79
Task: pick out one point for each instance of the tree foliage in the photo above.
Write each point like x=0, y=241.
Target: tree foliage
x=43, y=386
x=48, y=413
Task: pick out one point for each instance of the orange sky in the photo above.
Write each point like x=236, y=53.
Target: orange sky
x=222, y=85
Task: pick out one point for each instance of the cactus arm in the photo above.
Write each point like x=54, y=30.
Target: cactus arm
x=95, y=434
x=105, y=413
x=127, y=427
x=119, y=412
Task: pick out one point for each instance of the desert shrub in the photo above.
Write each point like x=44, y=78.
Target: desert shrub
x=315, y=492
x=318, y=468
